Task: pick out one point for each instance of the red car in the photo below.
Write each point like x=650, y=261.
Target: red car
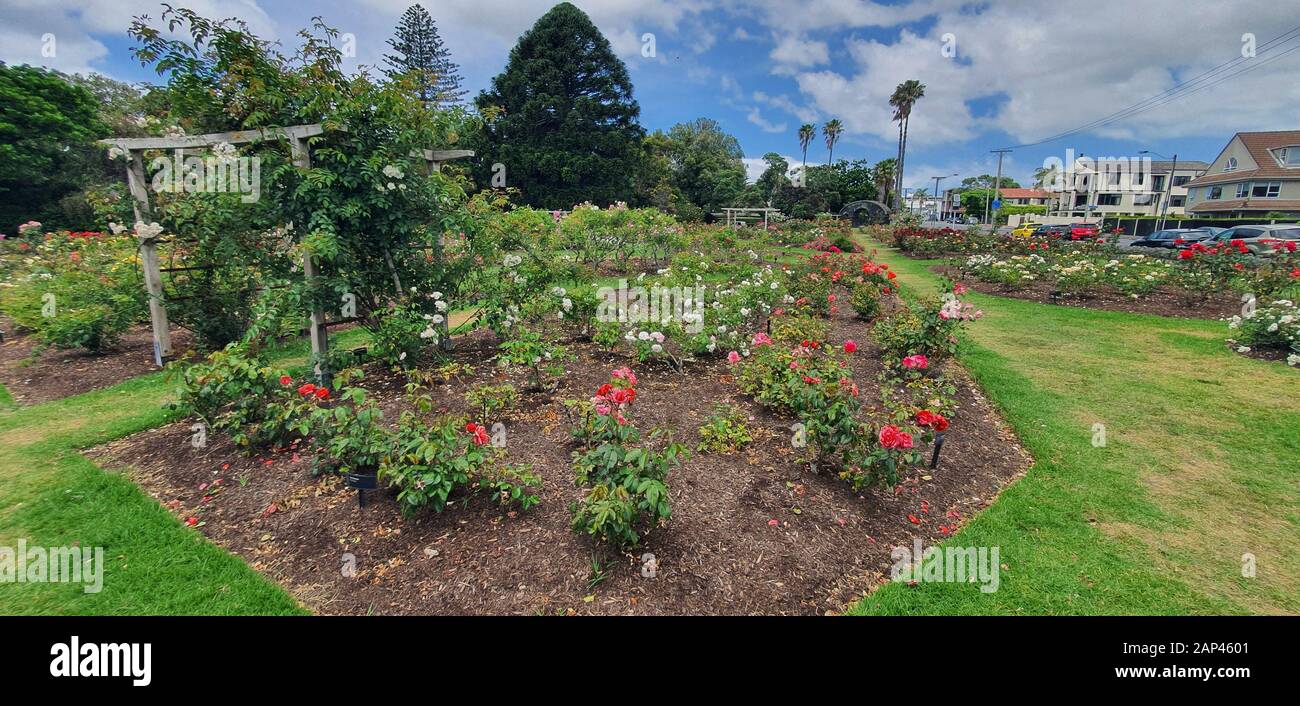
x=1082, y=231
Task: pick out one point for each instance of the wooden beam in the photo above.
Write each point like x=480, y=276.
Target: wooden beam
x=294, y=132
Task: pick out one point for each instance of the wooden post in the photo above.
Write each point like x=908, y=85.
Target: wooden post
x=319, y=333
x=162, y=337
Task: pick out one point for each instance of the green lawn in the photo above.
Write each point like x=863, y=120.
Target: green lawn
x=1201, y=465
x=52, y=496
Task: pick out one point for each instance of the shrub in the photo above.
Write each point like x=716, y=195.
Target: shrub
x=865, y=298
x=724, y=431
x=796, y=328
x=489, y=400
x=1276, y=326
x=629, y=492
x=929, y=329
x=541, y=358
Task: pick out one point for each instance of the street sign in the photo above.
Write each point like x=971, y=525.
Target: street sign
x=997, y=204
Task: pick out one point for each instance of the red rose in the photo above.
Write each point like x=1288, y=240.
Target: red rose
x=285, y=380
x=604, y=390
x=322, y=393
x=850, y=346
x=940, y=423
x=925, y=417
x=480, y=436
x=306, y=389
x=471, y=427
x=890, y=437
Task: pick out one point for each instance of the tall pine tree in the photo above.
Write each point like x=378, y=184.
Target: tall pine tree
x=564, y=123
x=420, y=50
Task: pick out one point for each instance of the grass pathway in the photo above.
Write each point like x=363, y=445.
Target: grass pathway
x=1201, y=466
x=51, y=496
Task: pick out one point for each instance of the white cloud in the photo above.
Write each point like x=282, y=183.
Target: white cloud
x=793, y=53
x=756, y=117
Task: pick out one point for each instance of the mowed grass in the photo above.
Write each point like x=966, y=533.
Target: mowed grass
x=1200, y=467
x=51, y=496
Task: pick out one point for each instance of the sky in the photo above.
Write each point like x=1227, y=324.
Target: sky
x=999, y=73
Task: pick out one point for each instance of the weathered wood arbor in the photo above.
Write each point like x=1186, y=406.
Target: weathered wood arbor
x=297, y=135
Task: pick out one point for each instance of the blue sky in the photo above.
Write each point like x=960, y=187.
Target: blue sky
x=997, y=73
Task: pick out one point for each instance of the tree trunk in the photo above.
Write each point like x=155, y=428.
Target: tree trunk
x=902, y=155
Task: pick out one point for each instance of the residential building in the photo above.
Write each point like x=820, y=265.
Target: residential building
x=1126, y=187
x=1256, y=173
x=1026, y=197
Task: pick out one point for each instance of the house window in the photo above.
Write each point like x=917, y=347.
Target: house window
x=1143, y=199
x=1177, y=201
x=1242, y=189
x=1266, y=190
x=1216, y=192
x=1158, y=182
x=1191, y=194
x=1230, y=165
x=1181, y=180
x=1107, y=199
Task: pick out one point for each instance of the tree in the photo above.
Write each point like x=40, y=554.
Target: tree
x=47, y=126
x=420, y=51
x=561, y=120
x=708, y=164
x=807, y=132
x=884, y=176
x=775, y=176
x=985, y=181
x=1046, y=176
x=905, y=96
x=832, y=132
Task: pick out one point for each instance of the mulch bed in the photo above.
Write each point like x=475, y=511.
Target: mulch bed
x=56, y=374
x=719, y=554
x=1165, y=301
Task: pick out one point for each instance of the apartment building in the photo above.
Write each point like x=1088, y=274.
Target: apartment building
x=1255, y=174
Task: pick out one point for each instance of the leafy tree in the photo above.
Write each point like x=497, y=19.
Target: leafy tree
x=904, y=97
x=562, y=119
x=47, y=128
x=707, y=163
x=832, y=131
x=420, y=51
x=985, y=181
x=775, y=176
x=884, y=177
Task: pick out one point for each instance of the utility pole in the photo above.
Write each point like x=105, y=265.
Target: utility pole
x=939, y=195
x=1169, y=191
x=997, y=189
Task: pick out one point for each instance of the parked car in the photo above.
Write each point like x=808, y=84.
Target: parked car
x=1080, y=231
x=1212, y=230
x=1024, y=230
x=1171, y=238
x=1057, y=231
x=1259, y=239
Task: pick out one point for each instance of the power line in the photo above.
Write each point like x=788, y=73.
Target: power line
x=1215, y=76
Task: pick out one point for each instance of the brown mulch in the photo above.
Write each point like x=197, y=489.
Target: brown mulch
x=1165, y=301
x=56, y=374
x=718, y=554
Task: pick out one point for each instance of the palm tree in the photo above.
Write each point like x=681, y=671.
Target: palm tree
x=905, y=96
x=1045, y=175
x=807, y=132
x=882, y=176
x=832, y=132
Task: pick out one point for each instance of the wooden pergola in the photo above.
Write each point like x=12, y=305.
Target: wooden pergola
x=737, y=215
x=297, y=135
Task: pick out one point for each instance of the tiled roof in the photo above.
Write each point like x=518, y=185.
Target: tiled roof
x=1258, y=145
x=1160, y=166
x=1025, y=194
x=1247, y=205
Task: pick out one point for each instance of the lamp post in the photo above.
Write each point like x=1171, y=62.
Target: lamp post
x=939, y=194
x=1169, y=186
